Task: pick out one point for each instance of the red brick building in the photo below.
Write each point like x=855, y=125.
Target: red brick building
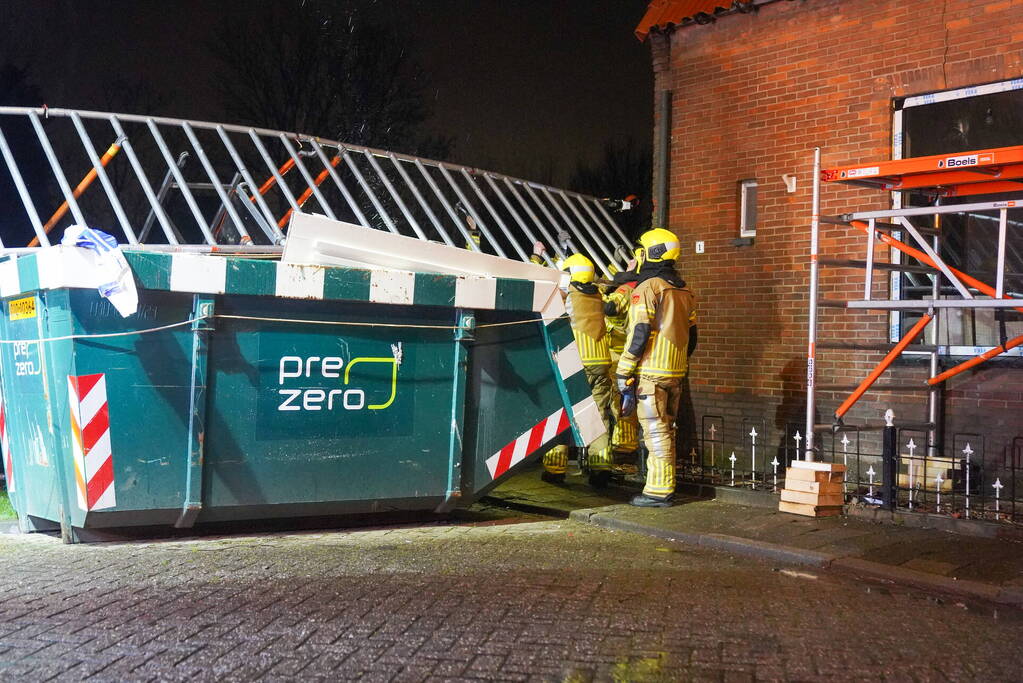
x=748, y=90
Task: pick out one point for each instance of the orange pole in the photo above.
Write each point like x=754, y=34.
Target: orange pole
x=82, y=187
x=283, y=170
x=973, y=362
x=973, y=282
x=308, y=192
x=264, y=188
x=883, y=365
x=924, y=258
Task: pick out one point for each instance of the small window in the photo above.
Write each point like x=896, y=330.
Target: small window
x=747, y=208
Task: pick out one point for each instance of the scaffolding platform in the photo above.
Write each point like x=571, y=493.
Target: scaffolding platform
x=986, y=171
x=915, y=249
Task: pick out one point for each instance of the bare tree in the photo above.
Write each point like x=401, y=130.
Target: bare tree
x=623, y=169
x=326, y=69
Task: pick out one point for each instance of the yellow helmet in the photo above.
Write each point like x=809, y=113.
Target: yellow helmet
x=580, y=267
x=659, y=245
x=638, y=255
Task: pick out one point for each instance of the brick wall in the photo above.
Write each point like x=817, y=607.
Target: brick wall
x=752, y=96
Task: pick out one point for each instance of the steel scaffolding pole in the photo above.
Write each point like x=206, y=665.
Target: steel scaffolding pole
x=811, y=354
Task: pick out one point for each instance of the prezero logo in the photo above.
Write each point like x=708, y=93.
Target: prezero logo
x=337, y=394
x=959, y=162
x=30, y=363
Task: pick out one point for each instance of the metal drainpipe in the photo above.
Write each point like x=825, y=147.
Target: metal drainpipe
x=663, y=150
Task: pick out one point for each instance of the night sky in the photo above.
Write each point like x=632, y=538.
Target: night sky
x=520, y=86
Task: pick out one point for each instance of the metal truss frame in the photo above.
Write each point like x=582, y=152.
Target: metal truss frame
x=417, y=197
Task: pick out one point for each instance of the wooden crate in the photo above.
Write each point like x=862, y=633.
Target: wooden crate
x=807, y=498
x=797, y=474
x=813, y=489
x=810, y=510
x=814, y=486
x=925, y=480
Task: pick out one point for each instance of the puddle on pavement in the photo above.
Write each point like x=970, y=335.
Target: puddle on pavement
x=1003, y=613
x=880, y=587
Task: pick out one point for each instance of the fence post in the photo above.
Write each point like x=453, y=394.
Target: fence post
x=889, y=461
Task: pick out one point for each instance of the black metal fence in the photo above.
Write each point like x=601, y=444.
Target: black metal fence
x=968, y=478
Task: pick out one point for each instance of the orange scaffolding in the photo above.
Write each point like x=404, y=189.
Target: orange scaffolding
x=985, y=171
x=979, y=172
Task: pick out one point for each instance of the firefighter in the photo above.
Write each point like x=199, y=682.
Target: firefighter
x=586, y=313
x=472, y=230
x=661, y=338
x=617, y=297
x=616, y=311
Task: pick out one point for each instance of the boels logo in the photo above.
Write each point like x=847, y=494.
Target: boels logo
x=339, y=383
x=959, y=162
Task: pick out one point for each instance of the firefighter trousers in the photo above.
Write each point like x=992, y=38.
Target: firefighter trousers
x=600, y=454
x=657, y=406
x=625, y=437
x=622, y=433
x=605, y=395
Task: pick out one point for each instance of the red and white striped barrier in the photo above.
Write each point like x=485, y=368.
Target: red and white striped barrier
x=527, y=443
x=90, y=426
x=5, y=448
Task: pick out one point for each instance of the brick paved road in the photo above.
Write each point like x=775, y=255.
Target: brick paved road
x=543, y=600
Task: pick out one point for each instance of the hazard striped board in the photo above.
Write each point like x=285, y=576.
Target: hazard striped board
x=527, y=443
x=5, y=448
x=569, y=367
x=90, y=428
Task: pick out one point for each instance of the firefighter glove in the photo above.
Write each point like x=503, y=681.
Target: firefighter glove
x=627, y=388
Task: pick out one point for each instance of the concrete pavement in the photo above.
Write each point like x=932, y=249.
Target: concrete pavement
x=514, y=599
x=705, y=591
x=989, y=568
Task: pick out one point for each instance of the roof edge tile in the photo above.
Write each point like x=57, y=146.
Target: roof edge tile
x=666, y=14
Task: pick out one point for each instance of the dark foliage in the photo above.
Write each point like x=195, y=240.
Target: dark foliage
x=624, y=169
x=325, y=69
x=18, y=90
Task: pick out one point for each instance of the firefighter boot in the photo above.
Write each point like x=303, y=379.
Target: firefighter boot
x=555, y=464
x=644, y=501
x=600, y=462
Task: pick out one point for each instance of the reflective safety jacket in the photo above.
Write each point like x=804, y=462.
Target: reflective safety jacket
x=660, y=316
x=616, y=310
x=586, y=313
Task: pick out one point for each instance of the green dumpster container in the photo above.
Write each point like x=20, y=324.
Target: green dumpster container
x=248, y=389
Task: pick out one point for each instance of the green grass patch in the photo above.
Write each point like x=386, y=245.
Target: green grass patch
x=6, y=511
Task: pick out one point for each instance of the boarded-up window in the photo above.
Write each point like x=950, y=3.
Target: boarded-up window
x=961, y=121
